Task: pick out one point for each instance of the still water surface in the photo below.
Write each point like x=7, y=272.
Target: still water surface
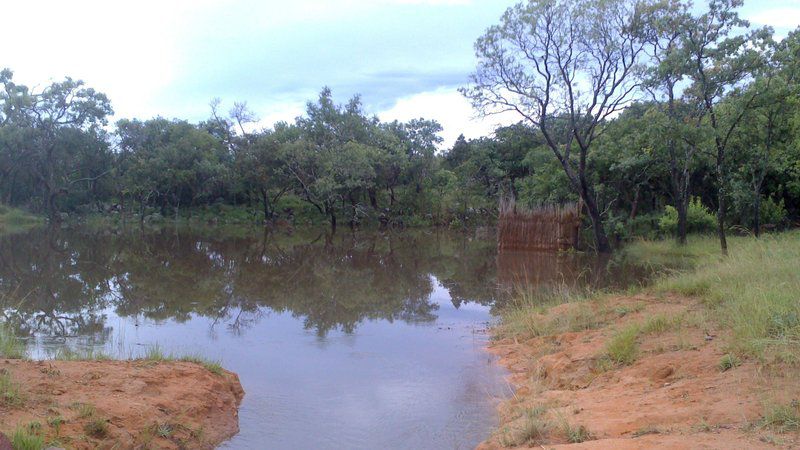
x=364, y=340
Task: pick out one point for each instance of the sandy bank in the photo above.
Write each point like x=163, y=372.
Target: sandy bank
x=674, y=394
x=121, y=404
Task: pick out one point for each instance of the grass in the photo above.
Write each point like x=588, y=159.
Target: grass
x=728, y=362
x=575, y=434
x=522, y=317
x=782, y=417
x=156, y=354
x=84, y=410
x=11, y=347
x=97, y=428
x=10, y=394
x=212, y=366
x=27, y=438
x=752, y=292
x=13, y=220
x=534, y=428
x=90, y=354
x=623, y=347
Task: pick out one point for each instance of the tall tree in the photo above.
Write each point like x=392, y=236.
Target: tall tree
x=61, y=126
x=551, y=59
x=721, y=60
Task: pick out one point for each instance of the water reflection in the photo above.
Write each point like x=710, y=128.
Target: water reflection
x=60, y=282
x=371, y=340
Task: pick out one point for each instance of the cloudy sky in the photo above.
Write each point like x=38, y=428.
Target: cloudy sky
x=171, y=57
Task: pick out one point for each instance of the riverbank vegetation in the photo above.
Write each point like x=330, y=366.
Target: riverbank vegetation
x=680, y=112
x=14, y=219
x=707, y=321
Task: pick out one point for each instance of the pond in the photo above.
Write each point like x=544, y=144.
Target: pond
x=365, y=340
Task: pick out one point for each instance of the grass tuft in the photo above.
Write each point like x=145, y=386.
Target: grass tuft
x=212, y=366
x=27, y=438
x=783, y=418
x=623, y=348
x=97, y=428
x=11, y=346
x=728, y=362
x=10, y=394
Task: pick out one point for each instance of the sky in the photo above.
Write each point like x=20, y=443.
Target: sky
x=406, y=58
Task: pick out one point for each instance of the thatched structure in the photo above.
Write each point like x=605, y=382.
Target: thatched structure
x=548, y=227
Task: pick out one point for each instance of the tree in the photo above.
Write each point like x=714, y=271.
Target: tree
x=552, y=59
x=673, y=127
x=58, y=134
x=721, y=59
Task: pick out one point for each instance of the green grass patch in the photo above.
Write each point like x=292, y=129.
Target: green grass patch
x=753, y=292
x=84, y=410
x=97, y=428
x=89, y=354
x=13, y=220
x=27, y=438
x=212, y=366
x=532, y=428
x=10, y=393
x=11, y=346
x=623, y=348
x=782, y=417
x=728, y=362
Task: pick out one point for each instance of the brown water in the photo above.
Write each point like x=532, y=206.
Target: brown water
x=363, y=340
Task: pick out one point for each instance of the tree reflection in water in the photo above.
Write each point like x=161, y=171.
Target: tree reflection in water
x=64, y=282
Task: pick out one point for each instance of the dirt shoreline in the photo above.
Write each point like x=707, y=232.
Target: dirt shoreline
x=674, y=395
x=121, y=404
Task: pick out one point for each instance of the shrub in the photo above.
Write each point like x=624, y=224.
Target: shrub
x=773, y=212
x=698, y=219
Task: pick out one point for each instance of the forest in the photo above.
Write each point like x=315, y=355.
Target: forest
x=663, y=119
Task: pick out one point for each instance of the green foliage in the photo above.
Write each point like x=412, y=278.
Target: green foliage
x=698, y=219
x=724, y=127
x=773, y=212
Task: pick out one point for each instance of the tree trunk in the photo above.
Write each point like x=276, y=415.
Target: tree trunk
x=600, y=238
x=635, y=204
x=373, y=198
x=682, y=208
x=723, y=241
x=757, y=212
x=265, y=200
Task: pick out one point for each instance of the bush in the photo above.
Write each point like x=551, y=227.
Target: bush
x=698, y=219
x=773, y=212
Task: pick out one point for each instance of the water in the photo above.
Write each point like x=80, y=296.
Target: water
x=364, y=340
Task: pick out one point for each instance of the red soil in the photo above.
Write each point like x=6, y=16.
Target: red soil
x=144, y=404
x=673, y=396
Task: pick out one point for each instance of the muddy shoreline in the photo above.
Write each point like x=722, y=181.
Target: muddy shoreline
x=674, y=395
x=121, y=404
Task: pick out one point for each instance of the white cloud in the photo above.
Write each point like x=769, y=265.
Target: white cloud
x=788, y=17
x=451, y=110
x=129, y=51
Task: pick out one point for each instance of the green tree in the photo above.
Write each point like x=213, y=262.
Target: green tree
x=570, y=60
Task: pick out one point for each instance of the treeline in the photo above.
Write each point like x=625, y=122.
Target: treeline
x=651, y=114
